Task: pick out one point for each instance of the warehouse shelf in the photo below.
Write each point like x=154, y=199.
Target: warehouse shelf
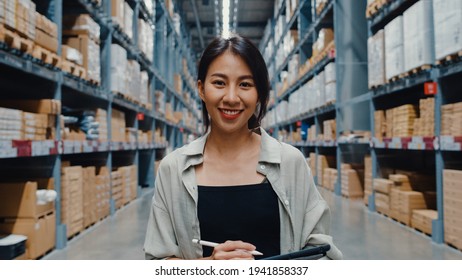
x=95, y=11
x=303, y=79
x=25, y=63
x=145, y=13
x=123, y=102
x=388, y=12
x=317, y=22
x=404, y=83
x=450, y=69
x=68, y=147
x=450, y=143
x=406, y=143
x=28, y=148
x=83, y=87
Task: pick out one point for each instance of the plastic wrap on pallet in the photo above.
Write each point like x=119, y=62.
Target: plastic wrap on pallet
x=281, y=111
x=376, y=59
x=320, y=83
x=128, y=20
x=418, y=43
x=144, y=87
x=329, y=71
x=146, y=39
x=133, y=79
x=447, y=16
x=331, y=89
x=118, y=67
x=394, y=48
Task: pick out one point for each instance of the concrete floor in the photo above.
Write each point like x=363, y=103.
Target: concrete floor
x=359, y=234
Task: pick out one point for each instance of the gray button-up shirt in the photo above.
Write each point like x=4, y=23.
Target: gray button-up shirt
x=173, y=221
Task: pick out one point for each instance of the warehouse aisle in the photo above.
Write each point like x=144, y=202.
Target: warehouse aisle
x=359, y=233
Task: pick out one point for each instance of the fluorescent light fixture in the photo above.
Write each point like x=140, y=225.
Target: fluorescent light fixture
x=225, y=12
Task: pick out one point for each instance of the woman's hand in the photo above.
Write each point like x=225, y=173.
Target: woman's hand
x=233, y=250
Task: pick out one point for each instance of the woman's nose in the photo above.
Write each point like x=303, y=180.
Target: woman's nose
x=231, y=95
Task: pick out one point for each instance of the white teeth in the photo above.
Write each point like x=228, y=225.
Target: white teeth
x=228, y=112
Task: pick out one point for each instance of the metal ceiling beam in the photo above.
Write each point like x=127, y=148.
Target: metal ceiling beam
x=248, y=24
x=198, y=22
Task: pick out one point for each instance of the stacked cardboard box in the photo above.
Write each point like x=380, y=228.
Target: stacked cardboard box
x=447, y=22
x=380, y=124
x=20, y=16
x=131, y=134
x=352, y=185
x=129, y=182
x=144, y=96
x=101, y=118
x=117, y=188
x=329, y=130
x=367, y=179
x=330, y=178
x=82, y=33
x=394, y=48
x=72, y=198
x=408, y=201
x=169, y=112
x=452, y=199
x=312, y=133
x=323, y=162
x=35, y=126
x=376, y=59
x=159, y=103
x=89, y=196
x=159, y=137
x=451, y=114
x=103, y=188
x=325, y=37
x=382, y=188
x=21, y=214
x=423, y=219
x=403, y=120
x=46, y=33
x=389, y=123
x=11, y=124
x=425, y=125
x=118, y=126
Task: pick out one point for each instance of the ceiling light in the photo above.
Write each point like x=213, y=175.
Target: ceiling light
x=225, y=12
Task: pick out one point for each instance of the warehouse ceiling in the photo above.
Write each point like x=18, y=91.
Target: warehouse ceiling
x=252, y=17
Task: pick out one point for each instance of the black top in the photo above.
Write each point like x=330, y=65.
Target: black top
x=249, y=213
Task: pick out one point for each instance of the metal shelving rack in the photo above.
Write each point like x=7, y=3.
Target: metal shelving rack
x=342, y=16
x=43, y=158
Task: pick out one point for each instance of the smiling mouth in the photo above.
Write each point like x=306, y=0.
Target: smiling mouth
x=230, y=114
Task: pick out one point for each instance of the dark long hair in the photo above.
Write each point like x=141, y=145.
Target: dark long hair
x=244, y=48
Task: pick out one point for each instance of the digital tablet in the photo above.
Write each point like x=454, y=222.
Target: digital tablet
x=311, y=252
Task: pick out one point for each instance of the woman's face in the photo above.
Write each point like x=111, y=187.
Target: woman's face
x=229, y=93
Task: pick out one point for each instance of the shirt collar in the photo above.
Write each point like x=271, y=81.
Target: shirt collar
x=270, y=148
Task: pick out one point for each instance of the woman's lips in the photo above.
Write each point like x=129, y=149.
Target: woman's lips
x=230, y=114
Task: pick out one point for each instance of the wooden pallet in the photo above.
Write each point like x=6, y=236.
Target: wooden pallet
x=375, y=7
x=93, y=82
x=73, y=69
x=46, y=56
x=15, y=41
x=452, y=58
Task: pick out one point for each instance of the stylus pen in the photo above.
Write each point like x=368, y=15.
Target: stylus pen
x=213, y=244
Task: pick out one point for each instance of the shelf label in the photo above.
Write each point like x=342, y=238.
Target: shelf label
x=430, y=88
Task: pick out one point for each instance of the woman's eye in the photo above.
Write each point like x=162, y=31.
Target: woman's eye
x=218, y=83
x=246, y=84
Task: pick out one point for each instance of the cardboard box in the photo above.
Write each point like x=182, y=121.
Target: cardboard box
x=41, y=106
x=46, y=41
x=90, y=51
x=19, y=200
x=40, y=232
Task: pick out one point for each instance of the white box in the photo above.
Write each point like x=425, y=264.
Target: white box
x=418, y=43
x=329, y=71
x=128, y=20
x=376, y=59
x=447, y=17
x=394, y=48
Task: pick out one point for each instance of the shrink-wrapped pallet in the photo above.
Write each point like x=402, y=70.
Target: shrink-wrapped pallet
x=394, y=48
x=419, y=49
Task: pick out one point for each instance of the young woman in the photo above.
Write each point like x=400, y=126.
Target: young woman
x=236, y=185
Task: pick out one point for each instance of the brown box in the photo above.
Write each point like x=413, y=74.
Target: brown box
x=46, y=41
x=42, y=106
x=84, y=44
x=40, y=232
x=382, y=185
x=19, y=200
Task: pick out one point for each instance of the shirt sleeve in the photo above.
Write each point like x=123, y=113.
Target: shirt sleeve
x=160, y=242
x=316, y=224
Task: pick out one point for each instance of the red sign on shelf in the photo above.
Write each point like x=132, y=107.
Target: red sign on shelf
x=430, y=88
x=140, y=116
